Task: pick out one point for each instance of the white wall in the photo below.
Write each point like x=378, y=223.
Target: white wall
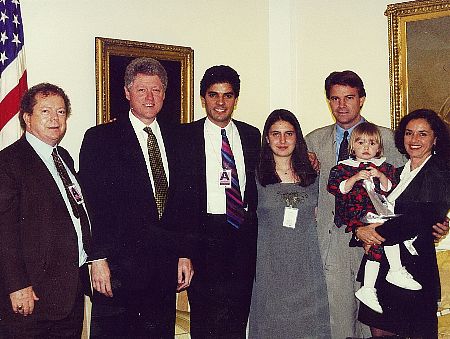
x=283, y=49
x=323, y=36
x=59, y=42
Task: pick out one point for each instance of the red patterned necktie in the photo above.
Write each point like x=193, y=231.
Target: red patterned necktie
x=235, y=206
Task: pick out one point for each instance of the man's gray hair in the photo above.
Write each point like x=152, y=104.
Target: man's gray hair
x=147, y=66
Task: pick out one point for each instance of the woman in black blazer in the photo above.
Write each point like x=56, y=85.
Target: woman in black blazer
x=421, y=200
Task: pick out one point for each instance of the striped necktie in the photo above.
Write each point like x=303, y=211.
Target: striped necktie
x=235, y=206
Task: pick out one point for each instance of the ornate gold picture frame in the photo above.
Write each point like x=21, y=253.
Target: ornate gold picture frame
x=419, y=56
x=111, y=58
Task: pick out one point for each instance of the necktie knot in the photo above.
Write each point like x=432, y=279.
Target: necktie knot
x=343, y=147
x=223, y=132
x=148, y=130
x=55, y=153
x=151, y=136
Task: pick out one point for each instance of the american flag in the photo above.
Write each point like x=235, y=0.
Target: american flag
x=13, y=75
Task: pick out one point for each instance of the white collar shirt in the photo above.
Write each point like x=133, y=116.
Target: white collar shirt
x=142, y=136
x=406, y=177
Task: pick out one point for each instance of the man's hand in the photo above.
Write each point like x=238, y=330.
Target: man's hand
x=440, y=230
x=22, y=301
x=368, y=235
x=314, y=161
x=185, y=273
x=101, y=277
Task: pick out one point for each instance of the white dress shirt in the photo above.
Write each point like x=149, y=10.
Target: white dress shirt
x=142, y=136
x=44, y=151
x=215, y=194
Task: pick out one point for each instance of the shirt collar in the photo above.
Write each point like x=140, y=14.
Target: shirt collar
x=407, y=169
x=213, y=128
x=43, y=149
x=355, y=163
x=340, y=131
x=139, y=126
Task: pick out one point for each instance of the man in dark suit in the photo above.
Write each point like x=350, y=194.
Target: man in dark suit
x=220, y=293
x=128, y=168
x=44, y=230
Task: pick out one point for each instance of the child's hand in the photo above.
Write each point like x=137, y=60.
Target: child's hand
x=366, y=248
x=361, y=175
x=374, y=172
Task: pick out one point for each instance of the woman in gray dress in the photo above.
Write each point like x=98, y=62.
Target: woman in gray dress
x=289, y=295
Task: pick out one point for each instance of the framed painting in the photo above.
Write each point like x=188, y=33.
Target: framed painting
x=419, y=57
x=111, y=58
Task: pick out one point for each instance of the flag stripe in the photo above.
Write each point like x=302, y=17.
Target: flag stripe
x=10, y=75
x=10, y=104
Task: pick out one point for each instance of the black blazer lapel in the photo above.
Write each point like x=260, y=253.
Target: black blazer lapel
x=133, y=163
x=39, y=175
x=250, y=148
x=198, y=147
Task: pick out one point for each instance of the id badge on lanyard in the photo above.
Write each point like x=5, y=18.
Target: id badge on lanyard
x=225, y=178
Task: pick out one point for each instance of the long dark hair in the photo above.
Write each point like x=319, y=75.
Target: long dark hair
x=300, y=163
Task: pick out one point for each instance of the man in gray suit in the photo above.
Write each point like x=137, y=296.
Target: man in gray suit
x=346, y=94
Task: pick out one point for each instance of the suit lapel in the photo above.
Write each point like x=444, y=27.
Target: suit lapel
x=245, y=146
x=246, y=151
x=38, y=172
x=169, y=148
x=199, y=142
x=415, y=190
x=331, y=142
x=39, y=179
x=134, y=165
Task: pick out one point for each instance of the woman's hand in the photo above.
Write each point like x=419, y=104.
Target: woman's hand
x=440, y=230
x=368, y=235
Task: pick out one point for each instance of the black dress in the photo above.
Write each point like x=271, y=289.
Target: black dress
x=423, y=203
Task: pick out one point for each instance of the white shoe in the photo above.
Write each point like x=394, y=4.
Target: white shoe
x=402, y=278
x=368, y=296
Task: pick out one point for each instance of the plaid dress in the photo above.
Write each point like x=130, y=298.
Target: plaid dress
x=354, y=205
